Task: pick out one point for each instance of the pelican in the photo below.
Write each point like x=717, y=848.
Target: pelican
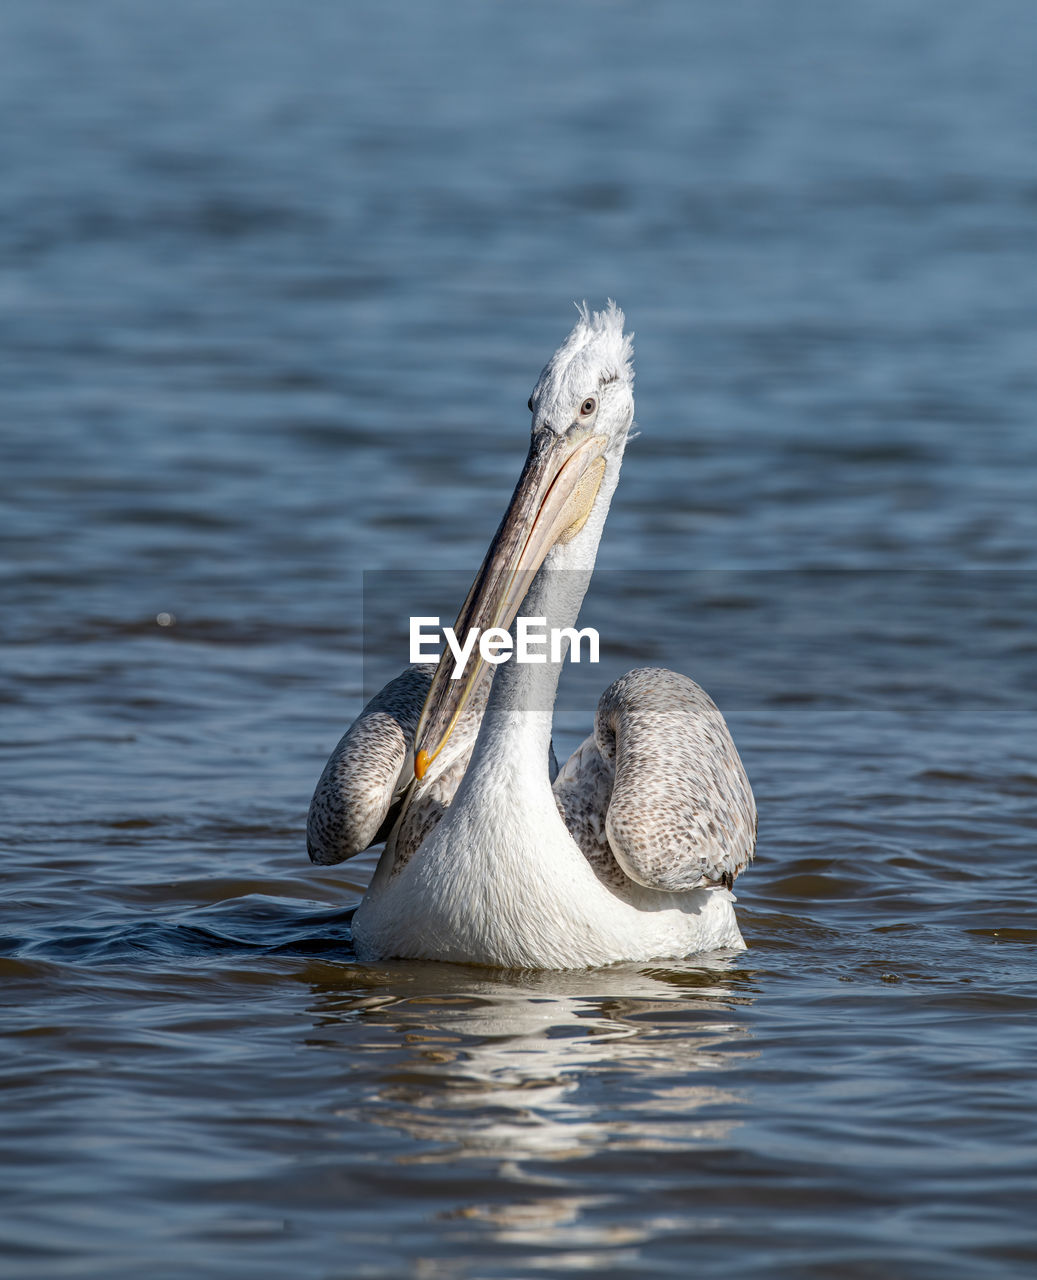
x=492, y=855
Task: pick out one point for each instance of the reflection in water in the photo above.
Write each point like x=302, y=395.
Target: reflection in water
x=551, y=1066
x=530, y=1072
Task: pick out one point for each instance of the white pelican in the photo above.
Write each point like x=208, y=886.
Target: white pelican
x=630, y=851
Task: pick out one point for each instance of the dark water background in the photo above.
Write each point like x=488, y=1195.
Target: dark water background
x=275, y=283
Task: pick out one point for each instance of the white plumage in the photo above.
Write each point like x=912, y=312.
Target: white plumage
x=630, y=852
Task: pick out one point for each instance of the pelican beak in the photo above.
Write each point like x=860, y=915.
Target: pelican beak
x=551, y=503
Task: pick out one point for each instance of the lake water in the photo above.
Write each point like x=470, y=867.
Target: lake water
x=275, y=283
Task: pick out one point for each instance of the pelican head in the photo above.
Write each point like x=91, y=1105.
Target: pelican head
x=589, y=381
x=582, y=407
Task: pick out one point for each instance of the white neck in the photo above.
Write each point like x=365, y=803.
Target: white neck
x=516, y=729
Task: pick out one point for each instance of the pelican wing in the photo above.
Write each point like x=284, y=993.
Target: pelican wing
x=659, y=787
x=357, y=797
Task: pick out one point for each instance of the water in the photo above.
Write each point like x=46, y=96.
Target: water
x=276, y=282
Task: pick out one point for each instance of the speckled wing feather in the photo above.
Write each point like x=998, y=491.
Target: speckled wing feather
x=429, y=799
x=659, y=793
x=358, y=792
x=367, y=791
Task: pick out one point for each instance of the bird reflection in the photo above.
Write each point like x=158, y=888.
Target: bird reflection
x=540, y=1066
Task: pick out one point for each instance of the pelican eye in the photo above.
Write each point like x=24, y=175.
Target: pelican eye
x=588, y=407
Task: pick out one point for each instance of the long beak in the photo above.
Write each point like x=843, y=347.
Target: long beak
x=551, y=503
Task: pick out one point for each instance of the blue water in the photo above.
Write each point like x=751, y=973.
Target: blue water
x=275, y=283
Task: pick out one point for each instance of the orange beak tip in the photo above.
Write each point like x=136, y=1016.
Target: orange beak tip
x=421, y=764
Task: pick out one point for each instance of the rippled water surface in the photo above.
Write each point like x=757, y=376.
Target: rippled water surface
x=275, y=282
